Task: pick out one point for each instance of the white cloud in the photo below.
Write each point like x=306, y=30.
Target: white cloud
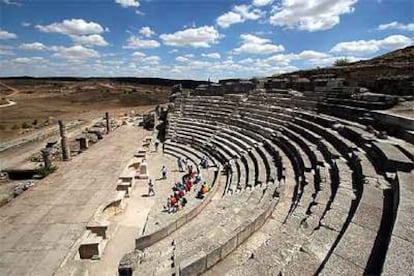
x=144, y=59
x=138, y=55
x=315, y=15
x=7, y=35
x=29, y=60
x=256, y=45
x=182, y=59
x=261, y=3
x=212, y=55
x=25, y=24
x=10, y=2
x=397, y=26
x=173, y=51
x=72, y=27
x=135, y=42
x=77, y=52
x=146, y=31
x=90, y=40
x=312, y=55
x=35, y=46
x=366, y=47
x=228, y=19
x=128, y=3
x=247, y=12
x=152, y=60
x=238, y=14
x=193, y=37
x=6, y=50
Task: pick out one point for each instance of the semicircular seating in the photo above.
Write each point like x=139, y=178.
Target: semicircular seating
x=316, y=194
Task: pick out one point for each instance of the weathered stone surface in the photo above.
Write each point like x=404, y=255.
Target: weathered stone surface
x=42, y=224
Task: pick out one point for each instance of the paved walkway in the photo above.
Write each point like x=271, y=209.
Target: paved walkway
x=40, y=228
x=125, y=227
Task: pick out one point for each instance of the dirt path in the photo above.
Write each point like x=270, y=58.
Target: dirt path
x=15, y=91
x=10, y=102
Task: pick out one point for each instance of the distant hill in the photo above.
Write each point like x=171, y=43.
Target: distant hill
x=190, y=84
x=391, y=73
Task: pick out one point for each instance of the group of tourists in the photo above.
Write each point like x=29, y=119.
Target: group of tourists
x=193, y=178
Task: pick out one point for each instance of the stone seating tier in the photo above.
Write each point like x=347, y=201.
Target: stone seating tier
x=344, y=197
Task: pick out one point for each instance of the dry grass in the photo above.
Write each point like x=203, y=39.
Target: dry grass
x=40, y=103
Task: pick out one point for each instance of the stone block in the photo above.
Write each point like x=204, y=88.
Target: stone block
x=194, y=265
x=245, y=232
x=259, y=221
x=143, y=171
x=229, y=246
x=214, y=256
x=171, y=228
x=181, y=221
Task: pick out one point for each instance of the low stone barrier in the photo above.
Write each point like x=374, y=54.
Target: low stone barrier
x=201, y=262
x=145, y=241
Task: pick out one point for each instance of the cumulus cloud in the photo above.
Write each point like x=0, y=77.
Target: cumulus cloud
x=146, y=31
x=366, y=47
x=238, y=14
x=72, y=27
x=29, y=60
x=182, y=59
x=202, y=37
x=77, y=52
x=252, y=44
x=228, y=19
x=397, y=26
x=135, y=42
x=7, y=35
x=144, y=59
x=10, y=2
x=212, y=55
x=128, y=3
x=316, y=15
x=6, y=50
x=261, y=3
x=25, y=24
x=90, y=40
x=35, y=46
x=138, y=55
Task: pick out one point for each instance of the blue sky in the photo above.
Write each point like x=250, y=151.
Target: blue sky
x=196, y=39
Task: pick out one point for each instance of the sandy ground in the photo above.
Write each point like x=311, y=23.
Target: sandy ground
x=43, y=225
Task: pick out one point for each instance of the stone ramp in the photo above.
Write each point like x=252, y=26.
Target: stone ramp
x=41, y=228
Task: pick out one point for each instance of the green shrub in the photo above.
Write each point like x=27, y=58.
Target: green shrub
x=342, y=62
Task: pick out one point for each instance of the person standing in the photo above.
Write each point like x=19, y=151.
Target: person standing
x=180, y=164
x=164, y=172
x=151, y=191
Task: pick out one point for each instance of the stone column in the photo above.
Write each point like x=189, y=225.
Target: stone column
x=46, y=158
x=108, y=127
x=64, y=141
x=83, y=143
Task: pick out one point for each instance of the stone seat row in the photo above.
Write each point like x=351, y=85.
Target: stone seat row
x=342, y=169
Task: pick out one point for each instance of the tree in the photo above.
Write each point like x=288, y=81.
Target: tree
x=342, y=62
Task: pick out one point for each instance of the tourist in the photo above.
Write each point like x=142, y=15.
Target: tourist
x=204, y=162
x=164, y=172
x=197, y=179
x=183, y=201
x=151, y=191
x=156, y=145
x=172, y=205
x=180, y=164
x=188, y=185
x=203, y=190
